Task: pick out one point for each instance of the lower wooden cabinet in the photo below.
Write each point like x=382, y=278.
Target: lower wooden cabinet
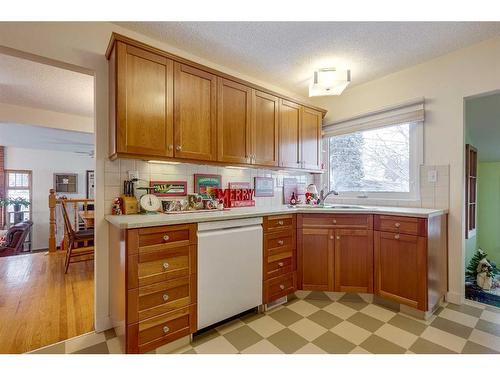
x=400, y=268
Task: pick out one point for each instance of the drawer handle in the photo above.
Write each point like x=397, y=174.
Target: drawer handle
x=280, y=222
x=282, y=287
x=396, y=237
x=281, y=264
x=397, y=225
x=280, y=242
x=334, y=221
x=166, y=237
x=166, y=265
x=166, y=329
x=165, y=297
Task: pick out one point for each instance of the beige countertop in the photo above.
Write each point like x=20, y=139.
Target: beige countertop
x=152, y=220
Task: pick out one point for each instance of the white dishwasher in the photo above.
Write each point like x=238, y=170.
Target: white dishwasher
x=229, y=268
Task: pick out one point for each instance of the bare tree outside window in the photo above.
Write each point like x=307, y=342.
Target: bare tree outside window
x=376, y=160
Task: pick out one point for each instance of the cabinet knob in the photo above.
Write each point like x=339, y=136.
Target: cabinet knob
x=166, y=265
x=282, y=287
x=334, y=221
x=280, y=242
x=280, y=222
x=166, y=237
x=397, y=225
x=165, y=297
x=170, y=147
x=178, y=147
x=331, y=237
x=338, y=237
x=281, y=264
x=166, y=329
x=396, y=237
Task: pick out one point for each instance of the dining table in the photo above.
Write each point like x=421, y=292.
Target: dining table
x=88, y=218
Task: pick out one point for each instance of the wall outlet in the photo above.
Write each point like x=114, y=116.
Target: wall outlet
x=432, y=175
x=133, y=174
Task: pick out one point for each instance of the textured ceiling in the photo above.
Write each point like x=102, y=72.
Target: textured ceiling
x=286, y=53
x=37, y=137
x=27, y=83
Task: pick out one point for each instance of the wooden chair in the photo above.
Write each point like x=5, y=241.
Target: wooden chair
x=75, y=241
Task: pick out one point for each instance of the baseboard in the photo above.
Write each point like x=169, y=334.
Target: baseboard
x=453, y=297
x=103, y=323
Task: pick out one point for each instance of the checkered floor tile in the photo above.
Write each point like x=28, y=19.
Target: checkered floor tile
x=336, y=323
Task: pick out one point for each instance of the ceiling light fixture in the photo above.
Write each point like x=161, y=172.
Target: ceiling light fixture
x=329, y=81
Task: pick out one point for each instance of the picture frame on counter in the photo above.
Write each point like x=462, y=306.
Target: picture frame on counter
x=206, y=184
x=169, y=188
x=264, y=187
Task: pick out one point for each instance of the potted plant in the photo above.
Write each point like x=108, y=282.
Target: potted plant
x=17, y=203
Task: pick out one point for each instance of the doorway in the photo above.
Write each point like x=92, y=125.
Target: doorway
x=47, y=164
x=482, y=203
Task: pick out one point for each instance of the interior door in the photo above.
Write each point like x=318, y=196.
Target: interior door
x=144, y=102
x=265, y=128
x=311, y=138
x=400, y=268
x=289, y=134
x=354, y=260
x=234, y=103
x=195, y=99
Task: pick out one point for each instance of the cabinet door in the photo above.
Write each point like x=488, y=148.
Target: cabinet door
x=354, y=261
x=195, y=98
x=310, y=138
x=233, y=122
x=289, y=134
x=400, y=268
x=265, y=123
x=315, y=259
x=144, y=89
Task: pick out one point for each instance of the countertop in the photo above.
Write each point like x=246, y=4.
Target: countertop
x=152, y=220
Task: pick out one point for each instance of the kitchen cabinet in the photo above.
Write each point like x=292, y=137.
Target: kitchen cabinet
x=353, y=260
x=310, y=138
x=280, y=257
x=234, y=106
x=195, y=98
x=265, y=129
x=316, y=257
x=289, y=134
x=142, y=99
x=165, y=107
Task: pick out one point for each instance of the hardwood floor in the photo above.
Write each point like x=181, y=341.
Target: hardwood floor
x=40, y=305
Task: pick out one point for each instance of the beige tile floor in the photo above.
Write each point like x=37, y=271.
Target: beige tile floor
x=336, y=323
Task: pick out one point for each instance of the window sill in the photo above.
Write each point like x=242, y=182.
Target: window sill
x=394, y=202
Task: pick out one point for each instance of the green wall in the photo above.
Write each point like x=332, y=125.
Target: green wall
x=488, y=218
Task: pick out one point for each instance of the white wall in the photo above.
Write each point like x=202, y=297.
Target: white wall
x=43, y=164
x=444, y=82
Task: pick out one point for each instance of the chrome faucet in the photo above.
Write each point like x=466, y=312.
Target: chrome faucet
x=323, y=196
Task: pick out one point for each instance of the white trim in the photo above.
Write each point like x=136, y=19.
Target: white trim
x=413, y=111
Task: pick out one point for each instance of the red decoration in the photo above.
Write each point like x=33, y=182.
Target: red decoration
x=236, y=197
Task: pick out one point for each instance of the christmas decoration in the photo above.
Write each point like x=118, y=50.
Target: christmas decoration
x=480, y=270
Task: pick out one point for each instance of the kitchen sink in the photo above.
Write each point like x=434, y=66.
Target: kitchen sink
x=332, y=206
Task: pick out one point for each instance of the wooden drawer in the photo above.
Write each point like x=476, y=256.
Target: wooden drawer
x=278, y=265
x=279, y=286
x=161, y=265
x=279, y=223
x=160, y=330
x=160, y=238
x=352, y=221
x=155, y=299
x=401, y=224
x=278, y=242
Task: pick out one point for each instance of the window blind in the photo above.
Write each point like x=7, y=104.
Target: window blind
x=408, y=112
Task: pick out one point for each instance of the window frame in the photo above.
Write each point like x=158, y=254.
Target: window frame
x=29, y=188
x=416, y=132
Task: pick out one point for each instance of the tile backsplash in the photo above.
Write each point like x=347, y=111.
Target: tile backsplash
x=115, y=172
x=432, y=194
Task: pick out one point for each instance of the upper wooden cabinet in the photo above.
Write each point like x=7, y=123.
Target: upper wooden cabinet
x=163, y=106
x=265, y=129
x=195, y=98
x=289, y=134
x=143, y=121
x=310, y=137
x=234, y=106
